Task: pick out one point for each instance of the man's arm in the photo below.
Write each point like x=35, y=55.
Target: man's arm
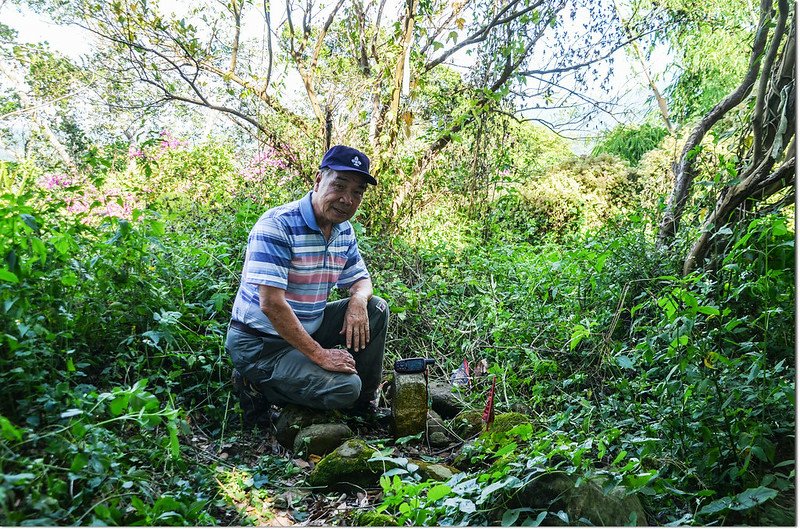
x=273, y=303
x=356, y=319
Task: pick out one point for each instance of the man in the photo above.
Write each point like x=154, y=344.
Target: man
x=284, y=338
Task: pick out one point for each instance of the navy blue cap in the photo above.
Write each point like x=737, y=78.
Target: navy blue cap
x=342, y=158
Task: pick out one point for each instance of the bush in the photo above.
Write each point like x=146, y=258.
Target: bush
x=630, y=143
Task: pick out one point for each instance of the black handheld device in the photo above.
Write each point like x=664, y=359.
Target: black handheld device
x=413, y=365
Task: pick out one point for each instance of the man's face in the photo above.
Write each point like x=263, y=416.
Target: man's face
x=337, y=196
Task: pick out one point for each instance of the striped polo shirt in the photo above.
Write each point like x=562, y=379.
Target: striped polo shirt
x=286, y=249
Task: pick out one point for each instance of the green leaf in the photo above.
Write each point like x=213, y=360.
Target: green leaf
x=507, y=449
x=174, y=444
x=625, y=362
x=511, y=515
x=118, y=405
x=509, y=482
x=715, y=506
x=158, y=228
x=9, y=431
x=79, y=462
x=69, y=279
x=438, y=492
x=7, y=276
x=751, y=498
x=535, y=522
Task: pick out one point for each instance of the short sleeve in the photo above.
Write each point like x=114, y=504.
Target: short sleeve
x=269, y=254
x=354, y=268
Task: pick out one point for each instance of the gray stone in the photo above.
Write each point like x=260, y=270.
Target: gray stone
x=321, y=439
x=443, y=400
x=292, y=420
x=436, y=430
x=410, y=404
x=438, y=439
x=557, y=491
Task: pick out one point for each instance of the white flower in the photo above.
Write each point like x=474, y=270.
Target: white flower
x=355, y=161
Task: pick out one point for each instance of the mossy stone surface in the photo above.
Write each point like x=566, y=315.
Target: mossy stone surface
x=443, y=399
x=436, y=430
x=506, y=421
x=558, y=491
x=410, y=404
x=374, y=519
x=435, y=471
x=468, y=423
x=347, y=466
x=321, y=439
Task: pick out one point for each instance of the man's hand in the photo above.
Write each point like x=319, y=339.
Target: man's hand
x=336, y=360
x=356, y=323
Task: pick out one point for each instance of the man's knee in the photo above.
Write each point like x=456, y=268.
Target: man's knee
x=378, y=311
x=343, y=393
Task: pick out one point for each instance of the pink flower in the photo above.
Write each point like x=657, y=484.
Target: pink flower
x=264, y=162
x=51, y=180
x=135, y=152
x=168, y=141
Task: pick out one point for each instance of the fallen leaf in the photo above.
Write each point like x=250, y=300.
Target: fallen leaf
x=301, y=463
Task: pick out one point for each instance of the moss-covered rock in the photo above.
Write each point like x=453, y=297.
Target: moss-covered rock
x=374, y=519
x=347, y=466
x=321, y=439
x=467, y=424
x=435, y=471
x=557, y=491
x=410, y=404
x=506, y=421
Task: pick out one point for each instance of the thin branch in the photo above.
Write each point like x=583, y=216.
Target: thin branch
x=481, y=33
x=237, y=19
x=268, y=32
x=601, y=58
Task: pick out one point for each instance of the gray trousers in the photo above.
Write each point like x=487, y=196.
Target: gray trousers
x=284, y=375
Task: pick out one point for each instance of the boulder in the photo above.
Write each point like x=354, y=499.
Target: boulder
x=410, y=404
x=443, y=400
x=292, y=420
x=321, y=439
x=586, y=503
x=347, y=467
x=468, y=423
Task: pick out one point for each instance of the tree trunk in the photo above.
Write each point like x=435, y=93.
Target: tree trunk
x=685, y=169
x=773, y=124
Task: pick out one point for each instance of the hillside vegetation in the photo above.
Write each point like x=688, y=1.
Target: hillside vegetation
x=117, y=291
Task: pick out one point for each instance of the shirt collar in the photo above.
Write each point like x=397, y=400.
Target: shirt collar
x=307, y=212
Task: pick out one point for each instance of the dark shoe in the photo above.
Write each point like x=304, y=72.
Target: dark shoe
x=369, y=411
x=256, y=409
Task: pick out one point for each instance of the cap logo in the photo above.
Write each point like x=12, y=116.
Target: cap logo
x=355, y=161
